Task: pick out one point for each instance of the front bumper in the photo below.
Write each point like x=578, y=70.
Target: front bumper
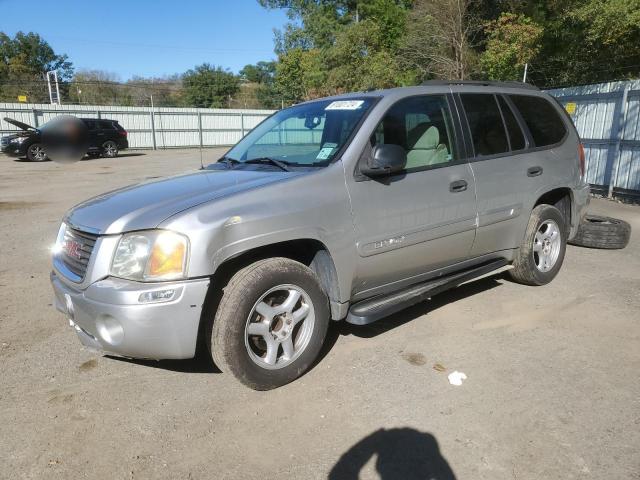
x=108, y=316
x=14, y=149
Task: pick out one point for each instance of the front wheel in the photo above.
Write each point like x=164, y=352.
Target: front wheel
x=270, y=324
x=36, y=153
x=541, y=254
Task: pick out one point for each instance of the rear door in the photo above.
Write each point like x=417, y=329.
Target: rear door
x=94, y=138
x=507, y=166
x=423, y=218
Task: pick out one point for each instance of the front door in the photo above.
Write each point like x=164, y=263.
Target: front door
x=423, y=218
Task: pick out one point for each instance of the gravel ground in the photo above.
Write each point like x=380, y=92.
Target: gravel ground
x=552, y=389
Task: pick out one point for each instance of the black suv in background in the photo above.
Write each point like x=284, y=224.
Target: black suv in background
x=106, y=138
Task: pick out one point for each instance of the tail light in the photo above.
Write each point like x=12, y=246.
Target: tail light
x=581, y=159
x=122, y=132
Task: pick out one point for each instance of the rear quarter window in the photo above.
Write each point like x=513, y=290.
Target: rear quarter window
x=542, y=119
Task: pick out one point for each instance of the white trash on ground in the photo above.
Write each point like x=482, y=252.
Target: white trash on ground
x=456, y=378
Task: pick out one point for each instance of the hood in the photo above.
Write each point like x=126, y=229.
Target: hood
x=18, y=124
x=147, y=205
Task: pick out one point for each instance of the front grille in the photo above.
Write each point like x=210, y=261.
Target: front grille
x=4, y=141
x=76, y=258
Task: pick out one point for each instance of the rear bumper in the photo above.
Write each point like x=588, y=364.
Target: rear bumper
x=108, y=316
x=579, y=210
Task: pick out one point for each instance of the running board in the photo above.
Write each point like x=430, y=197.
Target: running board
x=372, y=309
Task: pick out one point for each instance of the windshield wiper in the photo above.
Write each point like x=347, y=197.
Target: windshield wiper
x=266, y=160
x=229, y=162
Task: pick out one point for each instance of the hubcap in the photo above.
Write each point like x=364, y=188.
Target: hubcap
x=110, y=149
x=37, y=152
x=546, y=245
x=279, y=327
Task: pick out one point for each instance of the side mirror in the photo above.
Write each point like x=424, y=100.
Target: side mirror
x=386, y=159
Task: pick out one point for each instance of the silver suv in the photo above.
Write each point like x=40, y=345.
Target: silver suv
x=344, y=208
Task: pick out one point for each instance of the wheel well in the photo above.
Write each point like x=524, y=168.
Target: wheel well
x=561, y=199
x=309, y=252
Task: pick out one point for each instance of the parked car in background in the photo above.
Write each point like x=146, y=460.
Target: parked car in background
x=106, y=138
x=344, y=208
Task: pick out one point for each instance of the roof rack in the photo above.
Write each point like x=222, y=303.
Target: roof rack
x=482, y=83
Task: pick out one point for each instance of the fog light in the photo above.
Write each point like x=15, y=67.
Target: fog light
x=157, y=296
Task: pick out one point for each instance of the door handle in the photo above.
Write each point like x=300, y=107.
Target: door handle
x=458, y=186
x=534, y=171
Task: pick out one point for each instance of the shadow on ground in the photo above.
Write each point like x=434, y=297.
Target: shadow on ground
x=203, y=363
x=401, y=453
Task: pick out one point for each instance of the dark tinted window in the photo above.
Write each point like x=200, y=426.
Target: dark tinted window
x=423, y=127
x=105, y=125
x=516, y=137
x=541, y=117
x=485, y=123
x=91, y=124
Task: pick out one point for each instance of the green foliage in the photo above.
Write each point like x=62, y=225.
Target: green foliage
x=512, y=41
x=207, y=86
x=24, y=59
x=261, y=72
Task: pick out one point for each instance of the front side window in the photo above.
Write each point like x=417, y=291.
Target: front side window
x=423, y=127
x=543, y=120
x=310, y=134
x=485, y=123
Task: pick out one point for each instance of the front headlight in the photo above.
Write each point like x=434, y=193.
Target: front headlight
x=151, y=255
x=17, y=140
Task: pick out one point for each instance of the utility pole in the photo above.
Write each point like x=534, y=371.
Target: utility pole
x=524, y=78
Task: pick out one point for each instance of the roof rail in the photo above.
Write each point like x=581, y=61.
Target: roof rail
x=482, y=83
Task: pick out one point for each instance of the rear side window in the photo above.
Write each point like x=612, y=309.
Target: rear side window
x=105, y=125
x=516, y=137
x=485, y=123
x=544, y=122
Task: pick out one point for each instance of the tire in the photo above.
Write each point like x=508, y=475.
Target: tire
x=36, y=153
x=243, y=339
x=110, y=149
x=541, y=254
x=602, y=232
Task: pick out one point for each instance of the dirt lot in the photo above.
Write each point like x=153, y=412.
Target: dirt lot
x=552, y=389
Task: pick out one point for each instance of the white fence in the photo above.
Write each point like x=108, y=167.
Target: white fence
x=157, y=128
x=607, y=117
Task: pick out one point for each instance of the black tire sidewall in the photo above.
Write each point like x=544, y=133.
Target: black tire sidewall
x=236, y=356
x=547, y=212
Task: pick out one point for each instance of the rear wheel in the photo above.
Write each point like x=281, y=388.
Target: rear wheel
x=270, y=324
x=541, y=254
x=36, y=153
x=110, y=149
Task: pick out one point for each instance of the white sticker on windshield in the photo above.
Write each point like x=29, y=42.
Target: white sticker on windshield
x=344, y=105
x=326, y=151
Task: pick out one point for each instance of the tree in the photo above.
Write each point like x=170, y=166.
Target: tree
x=360, y=60
x=513, y=40
x=261, y=72
x=439, y=39
x=207, y=86
x=300, y=75
x=24, y=60
x=96, y=87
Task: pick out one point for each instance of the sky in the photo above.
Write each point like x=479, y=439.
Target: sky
x=148, y=38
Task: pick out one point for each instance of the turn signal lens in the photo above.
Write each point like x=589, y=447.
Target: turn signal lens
x=581, y=159
x=168, y=256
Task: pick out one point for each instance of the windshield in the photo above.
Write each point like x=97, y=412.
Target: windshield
x=310, y=134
